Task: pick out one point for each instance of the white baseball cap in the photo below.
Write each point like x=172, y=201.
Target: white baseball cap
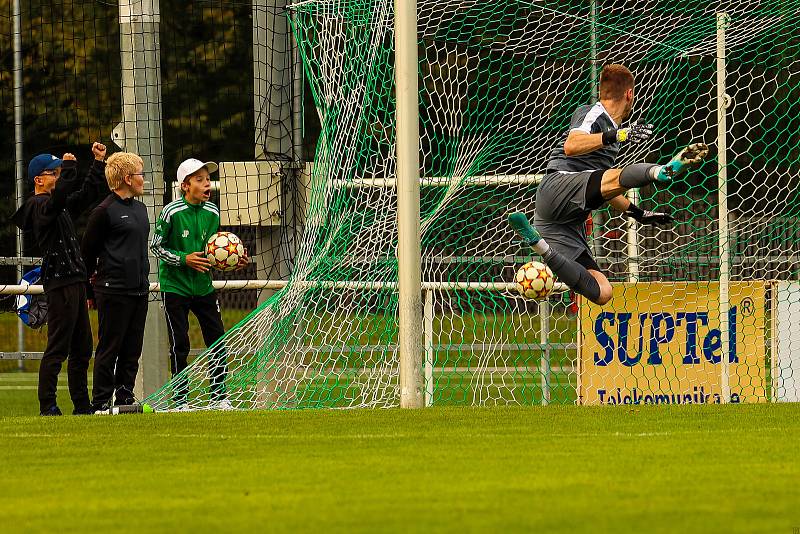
x=191, y=166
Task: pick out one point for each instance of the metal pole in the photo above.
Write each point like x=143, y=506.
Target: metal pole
x=633, y=241
x=140, y=132
x=723, y=101
x=593, y=48
x=597, y=218
x=19, y=167
x=544, y=363
x=408, y=226
x=297, y=96
x=428, y=347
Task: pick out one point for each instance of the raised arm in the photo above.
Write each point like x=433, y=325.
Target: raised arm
x=56, y=202
x=581, y=142
x=93, y=187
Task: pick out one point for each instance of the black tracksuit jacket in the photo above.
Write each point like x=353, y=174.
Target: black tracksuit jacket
x=48, y=219
x=115, y=244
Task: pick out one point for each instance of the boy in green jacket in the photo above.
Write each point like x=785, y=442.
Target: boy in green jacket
x=179, y=242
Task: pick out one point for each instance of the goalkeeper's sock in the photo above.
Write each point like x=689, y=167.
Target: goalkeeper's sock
x=572, y=273
x=639, y=175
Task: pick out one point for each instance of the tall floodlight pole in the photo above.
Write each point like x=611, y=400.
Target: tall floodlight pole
x=140, y=132
x=18, y=154
x=408, y=227
x=723, y=101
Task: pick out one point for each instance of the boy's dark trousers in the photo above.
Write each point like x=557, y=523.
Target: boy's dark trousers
x=206, y=309
x=121, y=335
x=69, y=337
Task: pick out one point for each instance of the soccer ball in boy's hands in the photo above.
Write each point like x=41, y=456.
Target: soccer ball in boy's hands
x=224, y=250
x=535, y=280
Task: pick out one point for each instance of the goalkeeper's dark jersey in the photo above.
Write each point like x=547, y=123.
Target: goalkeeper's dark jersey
x=590, y=119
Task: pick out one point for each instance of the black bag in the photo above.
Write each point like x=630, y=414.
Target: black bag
x=32, y=309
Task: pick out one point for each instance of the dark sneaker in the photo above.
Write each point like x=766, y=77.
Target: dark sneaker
x=88, y=410
x=53, y=410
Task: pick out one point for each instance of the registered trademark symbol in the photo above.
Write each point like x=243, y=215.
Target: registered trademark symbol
x=747, y=306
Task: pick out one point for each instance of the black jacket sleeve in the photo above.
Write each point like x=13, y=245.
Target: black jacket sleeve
x=93, y=240
x=93, y=188
x=47, y=211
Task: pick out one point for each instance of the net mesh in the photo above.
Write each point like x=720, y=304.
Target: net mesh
x=702, y=312
x=498, y=84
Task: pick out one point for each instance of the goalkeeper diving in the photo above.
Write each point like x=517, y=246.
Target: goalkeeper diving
x=581, y=178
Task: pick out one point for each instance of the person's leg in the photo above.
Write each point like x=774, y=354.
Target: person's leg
x=111, y=318
x=617, y=181
x=131, y=350
x=563, y=201
x=569, y=271
x=59, y=335
x=80, y=352
x=207, y=311
x=176, y=308
x=586, y=261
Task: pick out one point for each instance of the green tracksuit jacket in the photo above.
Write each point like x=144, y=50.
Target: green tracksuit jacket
x=182, y=229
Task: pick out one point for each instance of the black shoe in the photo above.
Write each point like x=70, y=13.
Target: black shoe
x=52, y=410
x=88, y=410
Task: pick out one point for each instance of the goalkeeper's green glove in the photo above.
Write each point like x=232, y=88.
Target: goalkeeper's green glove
x=648, y=217
x=635, y=133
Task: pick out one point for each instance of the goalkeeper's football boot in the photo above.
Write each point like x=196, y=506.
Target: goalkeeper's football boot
x=684, y=161
x=519, y=222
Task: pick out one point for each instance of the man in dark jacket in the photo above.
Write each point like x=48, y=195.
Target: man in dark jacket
x=115, y=247
x=47, y=216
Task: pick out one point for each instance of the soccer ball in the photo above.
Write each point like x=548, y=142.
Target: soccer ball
x=223, y=250
x=535, y=280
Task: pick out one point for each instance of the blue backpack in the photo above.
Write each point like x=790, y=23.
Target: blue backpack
x=32, y=309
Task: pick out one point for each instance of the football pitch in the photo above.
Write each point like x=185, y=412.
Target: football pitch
x=550, y=469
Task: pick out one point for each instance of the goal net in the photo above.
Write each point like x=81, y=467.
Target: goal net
x=703, y=311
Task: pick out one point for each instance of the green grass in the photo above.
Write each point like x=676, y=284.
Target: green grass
x=554, y=469
x=18, y=393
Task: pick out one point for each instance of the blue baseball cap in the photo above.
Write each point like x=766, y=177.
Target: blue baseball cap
x=42, y=162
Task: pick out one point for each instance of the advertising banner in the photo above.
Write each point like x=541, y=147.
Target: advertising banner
x=660, y=343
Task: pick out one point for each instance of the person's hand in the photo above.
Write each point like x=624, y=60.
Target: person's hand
x=652, y=217
x=198, y=262
x=635, y=133
x=244, y=260
x=69, y=157
x=99, y=151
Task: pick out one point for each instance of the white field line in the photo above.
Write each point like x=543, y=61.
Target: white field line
x=395, y=435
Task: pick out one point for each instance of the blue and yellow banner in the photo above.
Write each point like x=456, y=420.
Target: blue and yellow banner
x=660, y=343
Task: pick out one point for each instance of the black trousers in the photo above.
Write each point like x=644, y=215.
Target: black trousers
x=206, y=309
x=69, y=337
x=121, y=335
